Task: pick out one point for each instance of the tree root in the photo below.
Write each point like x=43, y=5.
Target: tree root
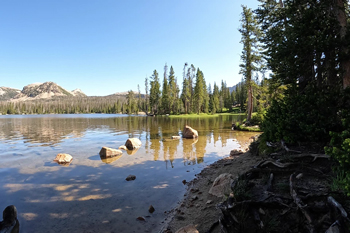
x=300, y=204
x=277, y=164
x=338, y=206
x=283, y=144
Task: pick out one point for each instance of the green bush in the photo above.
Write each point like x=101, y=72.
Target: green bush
x=257, y=118
x=339, y=149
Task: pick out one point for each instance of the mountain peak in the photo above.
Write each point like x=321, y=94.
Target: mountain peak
x=7, y=93
x=44, y=90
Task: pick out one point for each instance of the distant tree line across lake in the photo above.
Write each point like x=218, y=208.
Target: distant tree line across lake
x=161, y=98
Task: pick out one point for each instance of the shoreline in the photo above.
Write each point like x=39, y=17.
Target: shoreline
x=198, y=207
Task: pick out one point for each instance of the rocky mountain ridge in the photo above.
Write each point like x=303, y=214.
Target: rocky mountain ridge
x=7, y=93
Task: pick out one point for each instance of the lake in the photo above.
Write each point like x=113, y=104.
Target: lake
x=91, y=194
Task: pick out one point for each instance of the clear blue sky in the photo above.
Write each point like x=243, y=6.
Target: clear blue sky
x=109, y=46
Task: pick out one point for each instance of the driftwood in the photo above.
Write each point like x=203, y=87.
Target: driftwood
x=283, y=144
x=338, y=206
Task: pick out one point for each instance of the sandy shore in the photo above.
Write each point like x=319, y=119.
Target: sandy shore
x=198, y=206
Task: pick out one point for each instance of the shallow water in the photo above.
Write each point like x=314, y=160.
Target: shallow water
x=91, y=194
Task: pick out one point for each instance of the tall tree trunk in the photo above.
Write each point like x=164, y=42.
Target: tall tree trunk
x=250, y=102
x=339, y=11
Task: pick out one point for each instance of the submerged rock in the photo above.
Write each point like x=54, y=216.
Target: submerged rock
x=151, y=209
x=188, y=132
x=141, y=218
x=175, y=137
x=133, y=143
x=130, y=177
x=122, y=148
x=221, y=185
x=63, y=158
x=10, y=222
x=107, y=152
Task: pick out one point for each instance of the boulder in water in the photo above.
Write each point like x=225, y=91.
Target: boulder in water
x=133, y=143
x=188, y=132
x=62, y=158
x=107, y=152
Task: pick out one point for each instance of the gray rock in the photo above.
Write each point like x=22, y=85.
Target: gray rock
x=221, y=185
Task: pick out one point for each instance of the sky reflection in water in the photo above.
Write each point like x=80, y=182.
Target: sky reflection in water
x=91, y=194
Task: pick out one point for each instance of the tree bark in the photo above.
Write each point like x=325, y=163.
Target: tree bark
x=339, y=11
x=250, y=102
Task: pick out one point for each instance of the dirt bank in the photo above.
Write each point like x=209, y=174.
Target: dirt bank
x=289, y=191
x=198, y=206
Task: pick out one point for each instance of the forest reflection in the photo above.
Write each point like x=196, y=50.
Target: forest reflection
x=154, y=132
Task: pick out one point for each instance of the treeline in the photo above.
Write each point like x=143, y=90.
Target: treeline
x=196, y=95
x=166, y=97
x=68, y=105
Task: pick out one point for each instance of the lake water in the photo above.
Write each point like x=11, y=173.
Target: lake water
x=91, y=194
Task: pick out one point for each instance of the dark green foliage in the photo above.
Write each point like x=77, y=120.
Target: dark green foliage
x=339, y=146
x=241, y=191
x=306, y=117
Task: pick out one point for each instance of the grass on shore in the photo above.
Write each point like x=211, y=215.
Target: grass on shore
x=204, y=115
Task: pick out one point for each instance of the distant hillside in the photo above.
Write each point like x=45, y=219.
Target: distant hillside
x=78, y=93
x=45, y=90
x=7, y=93
x=125, y=93
x=233, y=88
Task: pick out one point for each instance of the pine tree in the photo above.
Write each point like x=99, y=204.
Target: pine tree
x=155, y=93
x=251, y=52
x=199, y=89
x=172, y=89
x=166, y=93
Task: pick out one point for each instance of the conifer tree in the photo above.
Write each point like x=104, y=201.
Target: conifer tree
x=172, y=89
x=251, y=52
x=154, y=97
x=166, y=93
